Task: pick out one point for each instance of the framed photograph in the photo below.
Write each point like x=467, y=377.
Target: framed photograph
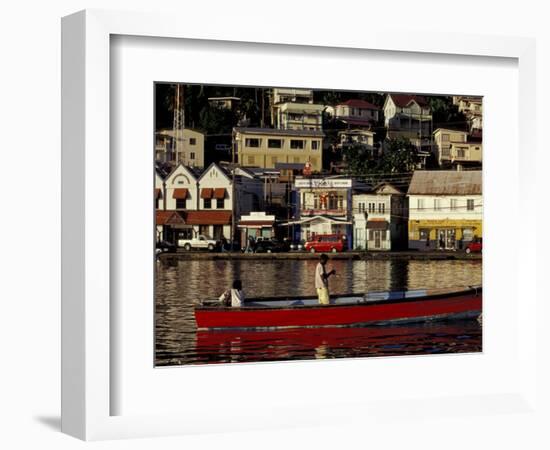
x=248, y=219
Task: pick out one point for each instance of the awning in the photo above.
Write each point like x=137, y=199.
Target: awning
x=206, y=193
x=169, y=217
x=377, y=224
x=219, y=193
x=158, y=193
x=180, y=193
x=208, y=217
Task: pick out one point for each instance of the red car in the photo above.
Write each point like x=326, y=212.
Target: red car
x=474, y=246
x=326, y=243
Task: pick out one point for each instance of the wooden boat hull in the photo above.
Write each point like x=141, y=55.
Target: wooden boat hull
x=462, y=304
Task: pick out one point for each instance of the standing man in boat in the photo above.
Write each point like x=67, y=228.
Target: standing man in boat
x=321, y=280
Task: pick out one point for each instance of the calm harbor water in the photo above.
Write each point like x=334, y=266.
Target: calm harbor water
x=181, y=283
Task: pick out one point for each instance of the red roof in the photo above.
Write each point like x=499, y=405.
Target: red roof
x=356, y=103
x=158, y=193
x=208, y=217
x=402, y=100
x=169, y=217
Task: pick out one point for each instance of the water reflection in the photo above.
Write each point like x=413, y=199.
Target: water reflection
x=180, y=284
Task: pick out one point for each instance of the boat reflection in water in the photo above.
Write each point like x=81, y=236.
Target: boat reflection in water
x=337, y=342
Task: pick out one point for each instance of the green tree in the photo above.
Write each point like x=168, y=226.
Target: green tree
x=399, y=156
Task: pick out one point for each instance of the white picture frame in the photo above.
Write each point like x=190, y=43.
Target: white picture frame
x=87, y=325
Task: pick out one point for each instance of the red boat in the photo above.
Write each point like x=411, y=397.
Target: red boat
x=374, y=308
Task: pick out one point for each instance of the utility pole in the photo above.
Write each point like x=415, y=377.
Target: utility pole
x=179, y=117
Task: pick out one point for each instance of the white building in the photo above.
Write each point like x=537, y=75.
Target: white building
x=323, y=206
x=408, y=116
x=297, y=116
x=283, y=95
x=380, y=218
x=445, y=209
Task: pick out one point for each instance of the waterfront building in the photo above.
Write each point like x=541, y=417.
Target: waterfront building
x=357, y=113
x=184, y=146
x=380, y=218
x=256, y=224
x=445, y=209
x=266, y=147
x=322, y=206
x=159, y=190
x=204, y=203
x=457, y=149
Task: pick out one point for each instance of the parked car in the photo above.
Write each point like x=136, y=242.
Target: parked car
x=165, y=247
x=199, y=242
x=326, y=243
x=297, y=245
x=475, y=246
x=269, y=246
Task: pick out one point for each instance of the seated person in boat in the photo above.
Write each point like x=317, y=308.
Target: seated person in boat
x=234, y=296
x=321, y=280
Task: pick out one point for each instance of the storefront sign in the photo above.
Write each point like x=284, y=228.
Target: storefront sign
x=322, y=183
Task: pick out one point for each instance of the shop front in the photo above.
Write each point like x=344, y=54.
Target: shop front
x=443, y=234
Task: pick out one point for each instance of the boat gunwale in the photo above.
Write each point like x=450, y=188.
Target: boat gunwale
x=437, y=296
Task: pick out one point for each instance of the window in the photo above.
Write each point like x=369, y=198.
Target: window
x=180, y=203
x=251, y=159
x=252, y=142
x=192, y=141
x=461, y=152
x=372, y=207
x=445, y=137
x=314, y=145
x=420, y=203
x=274, y=143
x=219, y=203
x=424, y=234
x=361, y=207
x=207, y=203
x=192, y=155
x=381, y=208
x=454, y=203
x=437, y=204
x=470, y=204
x=296, y=144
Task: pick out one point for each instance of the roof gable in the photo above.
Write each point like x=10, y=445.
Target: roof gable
x=403, y=100
x=219, y=170
x=179, y=170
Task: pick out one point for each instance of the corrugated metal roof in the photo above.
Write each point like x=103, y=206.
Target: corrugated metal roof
x=445, y=182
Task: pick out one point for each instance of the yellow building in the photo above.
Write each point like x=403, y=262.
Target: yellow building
x=266, y=147
x=445, y=209
x=184, y=146
x=453, y=147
